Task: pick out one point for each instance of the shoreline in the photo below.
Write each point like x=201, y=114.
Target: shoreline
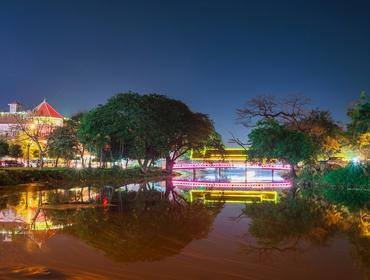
x=10, y=177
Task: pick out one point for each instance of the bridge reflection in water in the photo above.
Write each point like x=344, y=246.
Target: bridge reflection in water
x=233, y=196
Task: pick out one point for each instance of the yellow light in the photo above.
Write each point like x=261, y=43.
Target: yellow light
x=231, y=196
x=233, y=154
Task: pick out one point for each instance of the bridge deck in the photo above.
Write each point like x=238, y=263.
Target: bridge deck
x=201, y=165
x=183, y=184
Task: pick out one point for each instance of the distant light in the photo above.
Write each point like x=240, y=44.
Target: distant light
x=355, y=160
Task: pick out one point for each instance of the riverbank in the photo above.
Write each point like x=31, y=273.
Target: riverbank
x=348, y=186
x=16, y=176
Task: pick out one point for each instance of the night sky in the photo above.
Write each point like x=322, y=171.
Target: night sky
x=214, y=55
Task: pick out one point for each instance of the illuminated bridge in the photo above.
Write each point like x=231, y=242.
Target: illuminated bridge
x=229, y=170
x=203, y=165
x=193, y=184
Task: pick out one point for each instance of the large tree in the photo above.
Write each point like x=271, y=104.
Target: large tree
x=271, y=140
x=123, y=127
x=73, y=124
x=146, y=128
x=179, y=129
x=327, y=135
x=34, y=130
x=293, y=113
x=62, y=143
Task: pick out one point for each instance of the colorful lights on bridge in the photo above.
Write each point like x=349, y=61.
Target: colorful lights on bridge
x=183, y=184
x=203, y=165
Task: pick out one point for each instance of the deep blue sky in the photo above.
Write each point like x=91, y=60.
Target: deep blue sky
x=214, y=55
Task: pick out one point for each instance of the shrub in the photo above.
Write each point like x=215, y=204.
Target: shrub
x=354, y=176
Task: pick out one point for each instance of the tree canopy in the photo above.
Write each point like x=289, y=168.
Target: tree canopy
x=145, y=128
x=271, y=140
x=359, y=126
x=15, y=150
x=62, y=143
x=293, y=113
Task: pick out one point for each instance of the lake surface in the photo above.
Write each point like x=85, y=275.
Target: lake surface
x=160, y=231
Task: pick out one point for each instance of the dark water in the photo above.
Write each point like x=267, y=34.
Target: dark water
x=153, y=231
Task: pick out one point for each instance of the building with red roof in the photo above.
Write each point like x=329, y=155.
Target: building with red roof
x=44, y=114
x=45, y=110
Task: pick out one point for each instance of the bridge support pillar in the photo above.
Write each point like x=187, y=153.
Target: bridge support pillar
x=194, y=174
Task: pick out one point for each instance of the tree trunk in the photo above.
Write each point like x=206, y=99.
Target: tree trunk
x=294, y=188
x=169, y=164
x=143, y=165
x=101, y=157
x=111, y=158
x=28, y=155
x=169, y=187
x=292, y=171
x=41, y=160
x=82, y=156
x=56, y=162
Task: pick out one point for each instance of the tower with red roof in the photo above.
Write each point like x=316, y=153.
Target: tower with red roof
x=45, y=110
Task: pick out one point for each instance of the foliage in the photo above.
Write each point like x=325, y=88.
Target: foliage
x=297, y=224
x=354, y=200
x=354, y=176
x=15, y=150
x=73, y=124
x=34, y=130
x=4, y=148
x=349, y=186
x=29, y=148
x=291, y=219
x=62, y=143
x=359, y=114
x=270, y=140
x=327, y=135
x=118, y=129
x=181, y=129
x=149, y=228
x=359, y=126
x=145, y=128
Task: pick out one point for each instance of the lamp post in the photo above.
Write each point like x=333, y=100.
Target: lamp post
x=28, y=155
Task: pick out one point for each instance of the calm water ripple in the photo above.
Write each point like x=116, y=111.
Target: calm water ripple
x=158, y=231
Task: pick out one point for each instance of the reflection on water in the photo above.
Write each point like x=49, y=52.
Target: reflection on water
x=233, y=196
x=160, y=230
x=237, y=174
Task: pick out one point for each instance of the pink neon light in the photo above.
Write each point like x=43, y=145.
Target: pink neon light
x=256, y=185
x=229, y=165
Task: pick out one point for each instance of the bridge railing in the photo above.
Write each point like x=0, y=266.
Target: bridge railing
x=227, y=185
x=200, y=165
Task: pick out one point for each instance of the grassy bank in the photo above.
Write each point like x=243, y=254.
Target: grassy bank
x=16, y=176
x=348, y=186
